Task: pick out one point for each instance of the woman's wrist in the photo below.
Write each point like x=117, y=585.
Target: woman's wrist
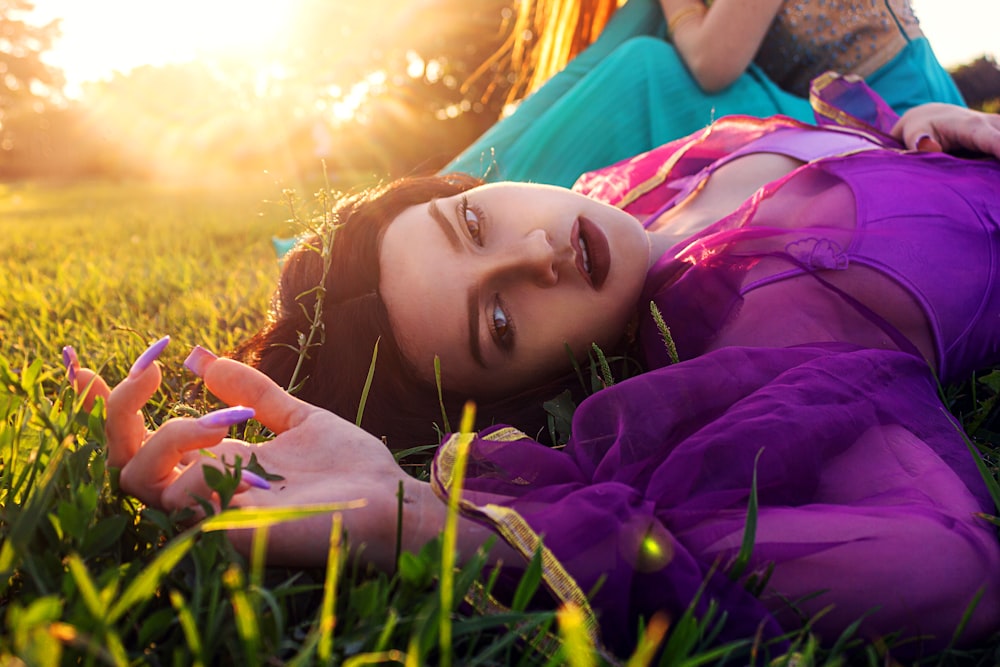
x=423, y=514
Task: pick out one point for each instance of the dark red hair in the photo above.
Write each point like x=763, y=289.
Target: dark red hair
x=400, y=406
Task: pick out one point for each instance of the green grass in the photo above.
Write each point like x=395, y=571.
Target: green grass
x=107, y=268
x=88, y=576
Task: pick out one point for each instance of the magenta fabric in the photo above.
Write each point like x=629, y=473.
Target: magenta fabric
x=867, y=490
x=930, y=246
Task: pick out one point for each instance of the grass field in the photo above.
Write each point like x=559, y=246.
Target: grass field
x=87, y=576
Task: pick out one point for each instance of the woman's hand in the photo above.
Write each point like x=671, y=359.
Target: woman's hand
x=321, y=458
x=946, y=127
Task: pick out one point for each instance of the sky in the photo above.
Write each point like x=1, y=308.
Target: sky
x=960, y=30
x=177, y=31
x=95, y=41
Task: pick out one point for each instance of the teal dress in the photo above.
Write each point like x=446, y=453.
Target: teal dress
x=630, y=92
x=879, y=40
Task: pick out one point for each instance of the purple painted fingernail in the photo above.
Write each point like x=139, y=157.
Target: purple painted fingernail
x=148, y=357
x=198, y=360
x=226, y=417
x=70, y=361
x=255, y=480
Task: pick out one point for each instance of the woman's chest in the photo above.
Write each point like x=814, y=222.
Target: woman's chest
x=855, y=305
x=721, y=192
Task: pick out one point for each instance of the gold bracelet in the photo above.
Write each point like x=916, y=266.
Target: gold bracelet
x=684, y=15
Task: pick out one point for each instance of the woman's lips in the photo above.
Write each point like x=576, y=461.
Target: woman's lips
x=592, y=245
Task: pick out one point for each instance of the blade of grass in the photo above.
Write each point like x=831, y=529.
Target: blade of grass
x=188, y=626
x=244, y=615
x=34, y=513
x=437, y=382
x=368, y=384
x=266, y=516
x=578, y=650
x=984, y=471
x=399, y=521
x=328, y=617
x=379, y=658
x=966, y=617
x=668, y=339
x=85, y=586
x=749, y=529
x=576, y=366
x=146, y=584
x=258, y=555
x=450, y=535
x=602, y=363
x=387, y=629
x=649, y=641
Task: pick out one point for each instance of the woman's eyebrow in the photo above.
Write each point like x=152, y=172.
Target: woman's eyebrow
x=473, y=298
x=435, y=212
x=474, y=348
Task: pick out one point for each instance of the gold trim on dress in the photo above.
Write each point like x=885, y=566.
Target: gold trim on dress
x=823, y=108
x=662, y=171
x=516, y=531
x=505, y=434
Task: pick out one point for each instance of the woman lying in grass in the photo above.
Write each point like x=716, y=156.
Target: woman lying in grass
x=819, y=283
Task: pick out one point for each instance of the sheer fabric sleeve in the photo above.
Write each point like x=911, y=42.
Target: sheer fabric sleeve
x=847, y=101
x=867, y=496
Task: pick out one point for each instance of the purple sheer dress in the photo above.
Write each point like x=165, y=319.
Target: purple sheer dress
x=814, y=325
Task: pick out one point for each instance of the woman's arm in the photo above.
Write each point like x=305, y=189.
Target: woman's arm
x=718, y=44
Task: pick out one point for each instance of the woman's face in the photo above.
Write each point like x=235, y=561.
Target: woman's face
x=497, y=280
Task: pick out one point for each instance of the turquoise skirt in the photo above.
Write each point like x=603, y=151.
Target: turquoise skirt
x=630, y=92
x=914, y=76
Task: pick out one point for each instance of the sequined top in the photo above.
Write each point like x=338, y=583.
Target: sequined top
x=809, y=37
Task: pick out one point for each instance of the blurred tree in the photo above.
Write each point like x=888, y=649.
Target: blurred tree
x=979, y=82
x=374, y=90
x=385, y=81
x=26, y=82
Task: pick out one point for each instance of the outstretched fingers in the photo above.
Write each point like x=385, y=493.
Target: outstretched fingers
x=238, y=384
x=88, y=384
x=154, y=474
x=945, y=127
x=979, y=132
x=125, y=426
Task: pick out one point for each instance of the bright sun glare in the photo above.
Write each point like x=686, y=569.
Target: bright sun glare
x=260, y=83
x=101, y=36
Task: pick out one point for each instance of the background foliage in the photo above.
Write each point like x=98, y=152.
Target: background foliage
x=375, y=87
x=380, y=87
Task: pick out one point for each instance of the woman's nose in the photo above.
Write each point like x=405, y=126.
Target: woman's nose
x=532, y=257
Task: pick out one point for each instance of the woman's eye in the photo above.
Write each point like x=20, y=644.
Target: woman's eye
x=503, y=326
x=473, y=221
